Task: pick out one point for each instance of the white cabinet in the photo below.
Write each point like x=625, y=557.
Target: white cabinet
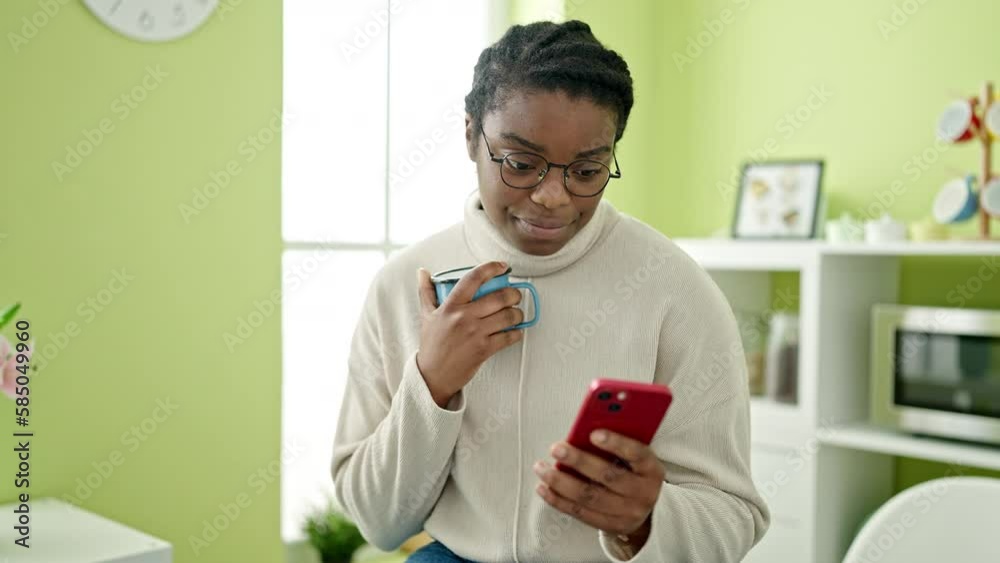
x=784, y=542
x=820, y=466
x=784, y=477
x=63, y=533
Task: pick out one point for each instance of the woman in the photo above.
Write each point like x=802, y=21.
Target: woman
x=451, y=424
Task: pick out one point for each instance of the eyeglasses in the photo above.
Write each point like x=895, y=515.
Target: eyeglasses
x=525, y=170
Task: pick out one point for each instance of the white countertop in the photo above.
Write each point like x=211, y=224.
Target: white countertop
x=63, y=533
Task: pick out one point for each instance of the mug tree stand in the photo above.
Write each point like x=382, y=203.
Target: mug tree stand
x=987, y=161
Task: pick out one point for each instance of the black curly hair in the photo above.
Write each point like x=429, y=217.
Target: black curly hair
x=549, y=57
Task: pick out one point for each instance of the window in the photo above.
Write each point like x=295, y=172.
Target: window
x=373, y=158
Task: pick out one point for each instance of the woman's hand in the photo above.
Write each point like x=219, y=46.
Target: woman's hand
x=619, y=498
x=457, y=337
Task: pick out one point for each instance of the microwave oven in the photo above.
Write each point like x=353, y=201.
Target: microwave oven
x=936, y=371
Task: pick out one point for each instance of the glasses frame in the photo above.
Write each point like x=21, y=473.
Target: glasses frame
x=549, y=166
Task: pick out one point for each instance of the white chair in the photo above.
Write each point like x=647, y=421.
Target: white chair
x=950, y=519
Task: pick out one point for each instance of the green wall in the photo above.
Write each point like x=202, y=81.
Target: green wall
x=884, y=75
x=158, y=335
x=650, y=147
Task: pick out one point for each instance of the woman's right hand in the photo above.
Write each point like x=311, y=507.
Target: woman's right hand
x=461, y=334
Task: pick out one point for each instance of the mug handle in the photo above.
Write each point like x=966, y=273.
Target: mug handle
x=534, y=297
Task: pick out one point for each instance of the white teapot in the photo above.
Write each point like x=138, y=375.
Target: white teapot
x=884, y=229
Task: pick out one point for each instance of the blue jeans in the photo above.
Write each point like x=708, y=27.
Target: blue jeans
x=435, y=552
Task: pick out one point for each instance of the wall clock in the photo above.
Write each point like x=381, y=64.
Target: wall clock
x=152, y=20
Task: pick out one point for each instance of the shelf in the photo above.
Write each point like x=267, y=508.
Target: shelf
x=721, y=253
x=863, y=436
x=937, y=248
x=749, y=254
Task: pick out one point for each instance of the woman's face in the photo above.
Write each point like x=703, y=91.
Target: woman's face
x=561, y=129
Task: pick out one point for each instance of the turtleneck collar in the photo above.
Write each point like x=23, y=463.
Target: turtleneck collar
x=486, y=242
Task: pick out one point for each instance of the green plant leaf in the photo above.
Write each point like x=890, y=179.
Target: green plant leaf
x=7, y=314
x=333, y=535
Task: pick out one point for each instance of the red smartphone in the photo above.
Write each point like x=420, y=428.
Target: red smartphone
x=625, y=407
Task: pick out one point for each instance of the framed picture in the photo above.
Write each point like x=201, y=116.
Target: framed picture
x=778, y=200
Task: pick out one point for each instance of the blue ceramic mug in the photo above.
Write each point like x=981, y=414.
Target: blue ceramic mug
x=445, y=281
x=957, y=201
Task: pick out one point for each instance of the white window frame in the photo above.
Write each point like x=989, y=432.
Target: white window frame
x=499, y=19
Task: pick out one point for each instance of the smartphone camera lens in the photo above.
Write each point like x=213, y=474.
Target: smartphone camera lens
x=604, y=395
x=614, y=407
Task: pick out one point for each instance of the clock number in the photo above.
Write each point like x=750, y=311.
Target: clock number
x=146, y=20
x=115, y=7
x=179, y=15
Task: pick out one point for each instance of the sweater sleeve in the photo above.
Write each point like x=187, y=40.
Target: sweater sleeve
x=709, y=509
x=392, y=449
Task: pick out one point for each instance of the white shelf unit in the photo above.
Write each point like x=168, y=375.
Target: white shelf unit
x=820, y=466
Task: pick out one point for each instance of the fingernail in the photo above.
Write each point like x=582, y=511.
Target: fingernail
x=503, y=264
x=539, y=468
x=559, y=452
x=599, y=436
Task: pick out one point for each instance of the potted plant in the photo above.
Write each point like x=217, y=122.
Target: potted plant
x=333, y=535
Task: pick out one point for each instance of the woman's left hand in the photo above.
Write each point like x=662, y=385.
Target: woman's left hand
x=618, y=499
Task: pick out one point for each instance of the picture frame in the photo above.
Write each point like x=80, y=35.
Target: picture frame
x=779, y=200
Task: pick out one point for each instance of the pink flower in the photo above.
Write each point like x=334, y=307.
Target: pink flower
x=8, y=367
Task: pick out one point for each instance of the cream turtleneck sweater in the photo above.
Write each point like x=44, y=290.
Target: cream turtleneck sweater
x=619, y=300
